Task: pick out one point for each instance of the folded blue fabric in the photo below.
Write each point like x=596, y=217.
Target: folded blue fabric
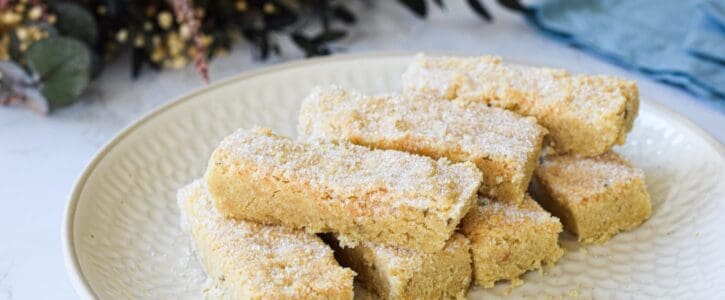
x=675, y=41
x=706, y=36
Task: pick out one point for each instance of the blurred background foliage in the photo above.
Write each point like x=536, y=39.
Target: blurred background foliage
x=51, y=50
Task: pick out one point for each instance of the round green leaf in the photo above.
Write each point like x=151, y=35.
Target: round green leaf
x=76, y=21
x=63, y=66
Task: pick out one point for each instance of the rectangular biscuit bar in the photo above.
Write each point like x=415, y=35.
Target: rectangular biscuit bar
x=595, y=197
x=585, y=114
x=395, y=273
x=508, y=240
x=246, y=260
x=383, y=196
x=502, y=144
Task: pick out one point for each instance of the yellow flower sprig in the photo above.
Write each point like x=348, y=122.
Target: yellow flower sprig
x=22, y=20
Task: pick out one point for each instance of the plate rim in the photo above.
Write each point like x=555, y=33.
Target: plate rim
x=70, y=257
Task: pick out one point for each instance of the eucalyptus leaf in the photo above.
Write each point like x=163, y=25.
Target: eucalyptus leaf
x=15, y=82
x=14, y=46
x=310, y=46
x=302, y=41
x=11, y=73
x=137, y=60
x=11, y=76
x=74, y=20
x=329, y=36
x=63, y=66
x=480, y=9
x=281, y=18
x=418, y=7
x=34, y=99
x=514, y=5
x=343, y=14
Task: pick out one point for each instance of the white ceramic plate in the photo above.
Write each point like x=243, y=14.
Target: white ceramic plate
x=122, y=238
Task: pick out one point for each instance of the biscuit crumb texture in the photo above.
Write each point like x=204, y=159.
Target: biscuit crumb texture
x=585, y=114
x=246, y=260
x=383, y=196
x=502, y=144
x=596, y=197
x=393, y=273
x=507, y=240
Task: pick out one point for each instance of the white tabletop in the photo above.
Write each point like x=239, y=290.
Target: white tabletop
x=40, y=157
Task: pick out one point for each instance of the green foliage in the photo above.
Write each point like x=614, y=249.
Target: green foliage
x=63, y=66
x=56, y=47
x=76, y=21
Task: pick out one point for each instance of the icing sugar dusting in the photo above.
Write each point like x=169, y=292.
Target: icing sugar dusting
x=354, y=172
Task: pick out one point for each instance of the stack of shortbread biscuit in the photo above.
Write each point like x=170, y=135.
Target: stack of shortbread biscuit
x=418, y=194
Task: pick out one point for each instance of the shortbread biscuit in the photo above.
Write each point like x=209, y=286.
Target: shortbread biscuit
x=585, y=114
x=508, y=240
x=246, y=260
x=596, y=197
x=502, y=144
x=395, y=273
x=383, y=196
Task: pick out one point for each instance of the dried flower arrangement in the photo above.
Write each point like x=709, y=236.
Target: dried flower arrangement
x=51, y=50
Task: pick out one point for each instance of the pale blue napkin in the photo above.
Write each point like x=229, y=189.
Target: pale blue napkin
x=675, y=41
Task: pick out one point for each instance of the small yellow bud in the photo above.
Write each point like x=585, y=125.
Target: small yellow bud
x=21, y=33
x=185, y=32
x=122, y=36
x=179, y=62
x=37, y=33
x=148, y=26
x=35, y=13
x=165, y=19
x=102, y=10
x=10, y=18
x=157, y=55
x=206, y=40
x=269, y=8
x=52, y=19
x=138, y=41
x=174, y=43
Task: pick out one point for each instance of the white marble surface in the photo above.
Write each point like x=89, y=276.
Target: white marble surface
x=40, y=157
